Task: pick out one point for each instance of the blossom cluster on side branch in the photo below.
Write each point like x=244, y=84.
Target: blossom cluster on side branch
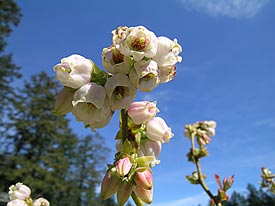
x=200, y=134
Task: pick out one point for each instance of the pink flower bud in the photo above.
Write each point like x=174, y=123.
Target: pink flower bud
x=142, y=111
x=145, y=195
x=109, y=185
x=123, y=166
x=144, y=179
x=157, y=130
x=124, y=191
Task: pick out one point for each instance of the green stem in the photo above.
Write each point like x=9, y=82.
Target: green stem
x=200, y=174
x=124, y=124
x=137, y=200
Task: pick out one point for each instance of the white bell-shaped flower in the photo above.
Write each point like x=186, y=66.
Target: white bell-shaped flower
x=115, y=62
x=74, y=71
x=41, y=202
x=17, y=202
x=19, y=191
x=157, y=130
x=139, y=43
x=88, y=104
x=168, y=52
x=120, y=91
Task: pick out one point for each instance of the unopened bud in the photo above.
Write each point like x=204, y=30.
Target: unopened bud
x=145, y=195
x=124, y=191
x=109, y=184
x=144, y=179
x=123, y=166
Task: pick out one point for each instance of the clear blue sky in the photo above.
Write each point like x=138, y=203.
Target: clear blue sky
x=227, y=75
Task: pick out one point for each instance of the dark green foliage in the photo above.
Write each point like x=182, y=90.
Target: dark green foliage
x=42, y=151
x=88, y=168
x=39, y=145
x=9, y=16
x=252, y=197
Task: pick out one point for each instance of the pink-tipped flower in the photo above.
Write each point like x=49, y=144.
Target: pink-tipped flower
x=109, y=184
x=142, y=111
x=157, y=130
x=123, y=166
x=145, y=195
x=150, y=148
x=19, y=191
x=144, y=179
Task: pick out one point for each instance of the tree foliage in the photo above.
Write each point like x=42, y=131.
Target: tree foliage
x=252, y=197
x=10, y=16
x=43, y=152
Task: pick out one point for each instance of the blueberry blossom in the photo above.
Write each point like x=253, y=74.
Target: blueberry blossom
x=120, y=91
x=168, y=52
x=74, y=71
x=90, y=105
x=150, y=148
x=119, y=34
x=115, y=62
x=138, y=42
x=166, y=74
x=17, y=202
x=157, y=130
x=142, y=111
x=19, y=191
x=41, y=202
x=145, y=75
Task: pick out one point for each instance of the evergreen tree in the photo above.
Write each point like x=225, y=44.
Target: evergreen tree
x=90, y=164
x=253, y=197
x=10, y=16
x=40, y=144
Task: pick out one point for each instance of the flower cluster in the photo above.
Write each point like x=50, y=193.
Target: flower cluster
x=130, y=174
x=201, y=133
x=268, y=180
x=136, y=60
x=20, y=195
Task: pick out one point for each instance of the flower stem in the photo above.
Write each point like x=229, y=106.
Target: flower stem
x=137, y=200
x=200, y=174
x=124, y=124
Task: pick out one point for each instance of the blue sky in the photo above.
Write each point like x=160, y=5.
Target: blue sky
x=227, y=75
